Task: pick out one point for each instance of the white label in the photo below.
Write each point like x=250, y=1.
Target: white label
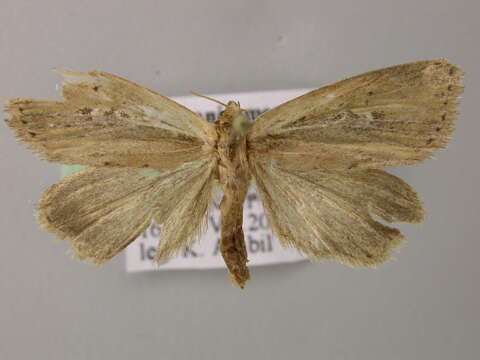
x=263, y=248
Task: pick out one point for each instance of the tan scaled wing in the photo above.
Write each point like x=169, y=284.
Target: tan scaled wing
x=329, y=214
x=105, y=120
x=394, y=116
x=315, y=159
x=149, y=157
x=102, y=210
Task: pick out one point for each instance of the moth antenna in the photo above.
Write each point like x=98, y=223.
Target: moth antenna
x=206, y=97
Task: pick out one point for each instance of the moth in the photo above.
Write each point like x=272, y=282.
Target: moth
x=315, y=160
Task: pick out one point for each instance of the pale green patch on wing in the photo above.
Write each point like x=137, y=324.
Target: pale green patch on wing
x=68, y=170
x=150, y=173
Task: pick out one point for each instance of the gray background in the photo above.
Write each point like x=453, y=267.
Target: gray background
x=424, y=305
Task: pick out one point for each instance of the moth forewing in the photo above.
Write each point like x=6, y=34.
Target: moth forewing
x=107, y=121
x=394, y=116
x=153, y=109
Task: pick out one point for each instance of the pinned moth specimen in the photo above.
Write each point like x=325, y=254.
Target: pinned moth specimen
x=316, y=161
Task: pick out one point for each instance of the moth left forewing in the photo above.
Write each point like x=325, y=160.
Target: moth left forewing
x=108, y=121
x=329, y=214
x=99, y=88
x=393, y=116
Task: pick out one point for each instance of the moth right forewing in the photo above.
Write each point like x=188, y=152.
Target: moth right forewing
x=393, y=116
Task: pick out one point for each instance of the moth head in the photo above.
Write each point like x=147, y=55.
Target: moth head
x=239, y=118
x=233, y=114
